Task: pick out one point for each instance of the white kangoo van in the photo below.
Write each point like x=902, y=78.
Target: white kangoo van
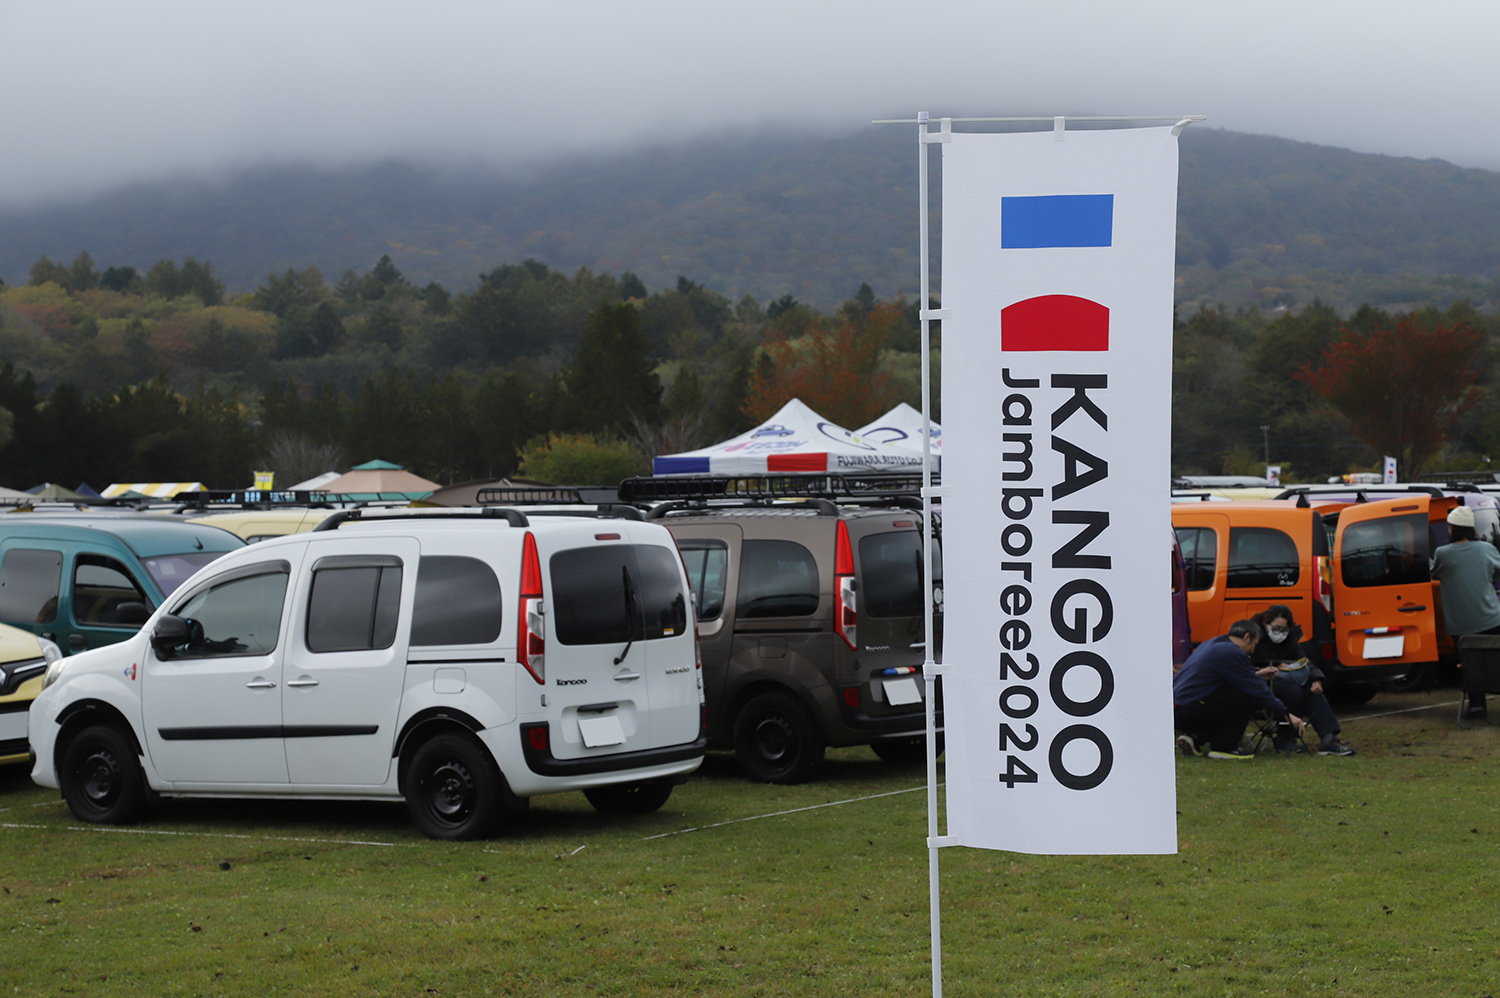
x=463, y=660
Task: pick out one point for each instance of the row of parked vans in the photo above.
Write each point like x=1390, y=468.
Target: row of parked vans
x=1351, y=563
x=467, y=660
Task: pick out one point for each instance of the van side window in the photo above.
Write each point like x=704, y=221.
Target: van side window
x=1200, y=556
x=100, y=585
x=29, y=584
x=1388, y=552
x=777, y=579
x=1261, y=557
x=708, y=573
x=458, y=602
x=354, y=603
x=617, y=593
x=238, y=617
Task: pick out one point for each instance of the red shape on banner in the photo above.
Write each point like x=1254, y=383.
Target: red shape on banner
x=797, y=462
x=1054, y=322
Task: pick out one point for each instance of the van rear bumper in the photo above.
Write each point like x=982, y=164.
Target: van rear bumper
x=1375, y=673
x=544, y=763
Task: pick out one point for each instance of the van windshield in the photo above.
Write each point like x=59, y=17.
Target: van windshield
x=169, y=571
x=890, y=574
x=616, y=593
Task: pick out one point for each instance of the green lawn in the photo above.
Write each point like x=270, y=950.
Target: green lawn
x=1373, y=875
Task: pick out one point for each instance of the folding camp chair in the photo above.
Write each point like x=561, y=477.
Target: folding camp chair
x=1479, y=670
x=1270, y=730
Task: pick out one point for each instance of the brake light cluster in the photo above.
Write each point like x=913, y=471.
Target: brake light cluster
x=843, y=572
x=1324, y=582
x=531, y=630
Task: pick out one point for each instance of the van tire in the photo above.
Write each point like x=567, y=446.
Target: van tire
x=776, y=741
x=454, y=790
x=630, y=798
x=101, y=776
x=905, y=751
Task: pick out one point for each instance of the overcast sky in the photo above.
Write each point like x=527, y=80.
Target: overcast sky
x=95, y=94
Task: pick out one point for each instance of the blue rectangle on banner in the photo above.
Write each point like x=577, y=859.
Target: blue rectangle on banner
x=1057, y=220
x=680, y=466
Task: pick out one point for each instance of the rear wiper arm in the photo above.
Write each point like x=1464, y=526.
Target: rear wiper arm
x=630, y=612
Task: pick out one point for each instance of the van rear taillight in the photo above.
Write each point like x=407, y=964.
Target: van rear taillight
x=537, y=737
x=843, y=572
x=1324, y=582
x=531, y=629
x=1329, y=652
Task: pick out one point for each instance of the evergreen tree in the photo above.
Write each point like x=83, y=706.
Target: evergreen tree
x=612, y=379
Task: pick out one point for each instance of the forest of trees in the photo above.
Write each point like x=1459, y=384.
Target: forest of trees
x=115, y=375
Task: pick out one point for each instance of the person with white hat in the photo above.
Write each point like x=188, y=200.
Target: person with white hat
x=1467, y=569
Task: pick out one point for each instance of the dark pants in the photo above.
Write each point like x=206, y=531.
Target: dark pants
x=1219, y=717
x=1311, y=707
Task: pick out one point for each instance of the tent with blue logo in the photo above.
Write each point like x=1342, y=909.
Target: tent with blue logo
x=902, y=427
x=795, y=439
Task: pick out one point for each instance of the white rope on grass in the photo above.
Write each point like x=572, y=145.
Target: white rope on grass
x=1404, y=710
x=777, y=814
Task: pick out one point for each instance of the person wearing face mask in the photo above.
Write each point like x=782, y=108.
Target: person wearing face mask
x=1297, y=682
x=1217, y=689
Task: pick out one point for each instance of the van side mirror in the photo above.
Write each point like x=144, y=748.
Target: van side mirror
x=132, y=612
x=170, y=632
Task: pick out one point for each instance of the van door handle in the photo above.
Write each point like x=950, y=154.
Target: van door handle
x=302, y=682
x=628, y=675
x=260, y=684
x=1411, y=608
x=77, y=642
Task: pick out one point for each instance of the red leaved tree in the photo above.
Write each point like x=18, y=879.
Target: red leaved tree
x=839, y=372
x=1400, y=386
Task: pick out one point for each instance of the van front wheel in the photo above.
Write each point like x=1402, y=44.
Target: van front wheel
x=775, y=741
x=453, y=789
x=101, y=777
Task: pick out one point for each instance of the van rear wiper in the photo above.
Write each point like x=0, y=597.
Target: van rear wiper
x=629, y=612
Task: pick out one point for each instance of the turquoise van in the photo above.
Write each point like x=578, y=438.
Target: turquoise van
x=69, y=578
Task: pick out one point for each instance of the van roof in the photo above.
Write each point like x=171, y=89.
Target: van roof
x=147, y=536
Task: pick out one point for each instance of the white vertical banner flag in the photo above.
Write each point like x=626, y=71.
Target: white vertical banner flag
x=1058, y=252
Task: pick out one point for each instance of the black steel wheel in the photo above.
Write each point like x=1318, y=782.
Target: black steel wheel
x=905, y=751
x=776, y=741
x=630, y=798
x=101, y=777
x=454, y=790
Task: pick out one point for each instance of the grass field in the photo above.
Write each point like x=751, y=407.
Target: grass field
x=1372, y=875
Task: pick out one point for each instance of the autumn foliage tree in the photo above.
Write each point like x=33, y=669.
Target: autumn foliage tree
x=1401, y=386
x=839, y=370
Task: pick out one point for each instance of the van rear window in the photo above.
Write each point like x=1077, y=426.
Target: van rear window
x=457, y=602
x=890, y=574
x=616, y=593
x=1387, y=552
x=708, y=572
x=29, y=584
x=1262, y=557
x=777, y=579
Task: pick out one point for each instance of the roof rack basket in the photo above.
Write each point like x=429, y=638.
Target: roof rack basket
x=766, y=487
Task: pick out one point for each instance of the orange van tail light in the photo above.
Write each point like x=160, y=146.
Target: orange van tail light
x=1324, y=582
x=531, y=629
x=843, y=572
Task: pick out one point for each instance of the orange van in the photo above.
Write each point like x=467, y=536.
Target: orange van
x=1353, y=571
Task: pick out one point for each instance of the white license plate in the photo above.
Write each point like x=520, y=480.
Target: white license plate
x=12, y=725
x=598, y=732
x=900, y=692
x=1385, y=646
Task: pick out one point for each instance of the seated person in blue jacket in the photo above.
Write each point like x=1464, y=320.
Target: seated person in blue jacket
x=1216, y=691
x=1297, y=682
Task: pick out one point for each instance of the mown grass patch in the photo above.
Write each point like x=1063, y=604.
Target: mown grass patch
x=1371, y=875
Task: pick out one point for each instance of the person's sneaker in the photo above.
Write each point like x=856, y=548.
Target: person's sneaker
x=1239, y=753
x=1186, y=745
x=1292, y=746
x=1335, y=747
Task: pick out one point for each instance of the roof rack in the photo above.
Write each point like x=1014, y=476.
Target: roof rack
x=1476, y=477
x=605, y=509
x=258, y=498
x=1360, y=492
x=765, y=487
x=369, y=514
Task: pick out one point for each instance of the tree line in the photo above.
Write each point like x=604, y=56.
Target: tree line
x=164, y=376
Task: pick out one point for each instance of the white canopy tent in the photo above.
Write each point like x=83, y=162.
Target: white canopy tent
x=902, y=427
x=795, y=439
